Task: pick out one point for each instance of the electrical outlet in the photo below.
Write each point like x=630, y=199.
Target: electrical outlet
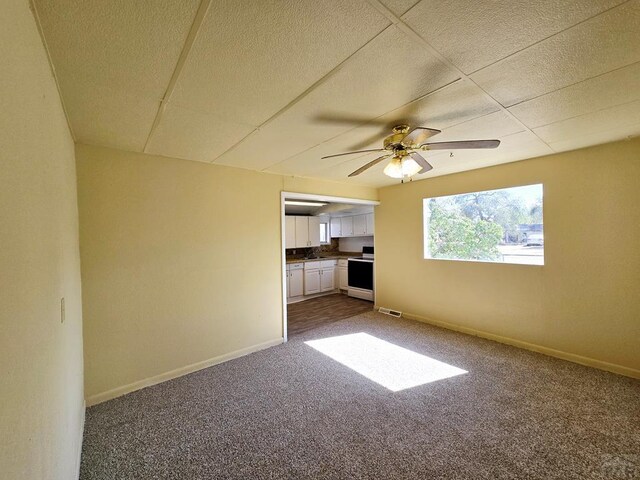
x=62, y=312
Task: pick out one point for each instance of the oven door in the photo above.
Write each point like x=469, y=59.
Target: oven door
x=360, y=274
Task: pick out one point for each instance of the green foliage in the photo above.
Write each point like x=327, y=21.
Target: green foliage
x=453, y=234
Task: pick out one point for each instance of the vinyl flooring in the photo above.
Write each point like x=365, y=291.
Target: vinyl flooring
x=315, y=312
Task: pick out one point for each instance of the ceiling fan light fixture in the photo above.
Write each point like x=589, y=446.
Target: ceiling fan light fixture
x=402, y=167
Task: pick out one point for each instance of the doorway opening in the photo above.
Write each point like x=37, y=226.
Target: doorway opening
x=328, y=266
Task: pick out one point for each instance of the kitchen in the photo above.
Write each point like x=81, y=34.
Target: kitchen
x=329, y=270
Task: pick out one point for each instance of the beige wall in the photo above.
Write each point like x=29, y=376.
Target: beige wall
x=583, y=301
x=181, y=263
x=41, y=387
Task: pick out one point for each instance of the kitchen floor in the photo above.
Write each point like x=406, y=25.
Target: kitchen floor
x=313, y=313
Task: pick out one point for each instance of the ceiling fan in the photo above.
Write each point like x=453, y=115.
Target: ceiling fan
x=403, y=146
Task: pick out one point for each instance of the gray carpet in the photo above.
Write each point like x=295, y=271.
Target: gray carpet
x=291, y=412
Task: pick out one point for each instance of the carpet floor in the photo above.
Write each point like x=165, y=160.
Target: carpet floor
x=291, y=412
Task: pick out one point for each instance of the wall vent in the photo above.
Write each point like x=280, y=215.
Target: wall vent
x=387, y=311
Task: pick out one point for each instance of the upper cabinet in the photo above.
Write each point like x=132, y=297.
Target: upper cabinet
x=301, y=232
x=290, y=232
x=360, y=225
x=370, y=224
x=336, y=227
x=353, y=226
x=347, y=226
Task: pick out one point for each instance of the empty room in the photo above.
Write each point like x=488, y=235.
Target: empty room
x=319, y=239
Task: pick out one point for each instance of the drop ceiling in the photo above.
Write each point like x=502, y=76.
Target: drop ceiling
x=253, y=83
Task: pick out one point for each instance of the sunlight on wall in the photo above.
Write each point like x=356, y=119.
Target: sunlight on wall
x=389, y=365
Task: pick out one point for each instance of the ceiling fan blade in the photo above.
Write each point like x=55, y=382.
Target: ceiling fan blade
x=352, y=153
x=369, y=165
x=461, y=144
x=418, y=135
x=419, y=159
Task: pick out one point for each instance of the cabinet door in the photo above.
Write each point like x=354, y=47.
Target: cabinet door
x=343, y=278
x=295, y=283
x=327, y=279
x=347, y=226
x=311, y=282
x=302, y=232
x=336, y=227
x=359, y=224
x=370, y=224
x=314, y=231
x=290, y=232
x=288, y=284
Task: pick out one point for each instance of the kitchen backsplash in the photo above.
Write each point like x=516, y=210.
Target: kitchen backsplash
x=332, y=247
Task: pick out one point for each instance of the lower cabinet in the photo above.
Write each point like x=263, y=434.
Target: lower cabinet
x=343, y=275
x=311, y=281
x=327, y=279
x=319, y=276
x=295, y=280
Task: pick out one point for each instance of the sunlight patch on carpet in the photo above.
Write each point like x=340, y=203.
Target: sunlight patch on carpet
x=389, y=365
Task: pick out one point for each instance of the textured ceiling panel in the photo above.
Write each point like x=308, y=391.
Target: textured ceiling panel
x=107, y=53
x=596, y=46
x=474, y=34
x=449, y=106
x=114, y=118
x=390, y=71
x=252, y=58
x=601, y=136
x=568, y=69
x=613, y=88
x=399, y=7
x=192, y=135
x=595, y=123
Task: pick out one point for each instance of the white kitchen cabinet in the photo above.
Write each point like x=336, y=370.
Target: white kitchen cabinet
x=290, y=232
x=370, y=224
x=295, y=282
x=319, y=276
x=343, y=274
x=327, y=279
x=347, y=226
x=302, y=232
x=311, y=281
x=314, y=231
x=359, y=224
x=336, y=227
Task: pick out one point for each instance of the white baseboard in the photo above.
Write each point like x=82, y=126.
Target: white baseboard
x=178, y=372
x=571, y=357
x=79, y=453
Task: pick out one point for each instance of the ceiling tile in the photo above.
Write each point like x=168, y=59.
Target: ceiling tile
x=113, y=61
x=613, y=88
x=454, y=104
x=251, y=59
x=390, y=71
x=607, y=120
x=604, y=136
x=474, y=34
x=399, y=7
x=601, y=44
x=113, y=118
x=183, y=133
x=125, y=45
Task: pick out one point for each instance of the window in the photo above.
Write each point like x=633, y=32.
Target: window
x=503, y=226
x=324, y=234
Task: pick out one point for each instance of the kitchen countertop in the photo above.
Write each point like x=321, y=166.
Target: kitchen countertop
x=340, y=256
